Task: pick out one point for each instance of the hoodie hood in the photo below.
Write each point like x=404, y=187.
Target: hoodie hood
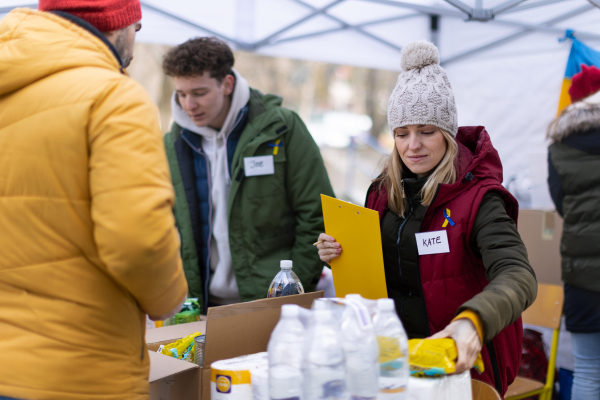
x=239, y=99
x=35, y=44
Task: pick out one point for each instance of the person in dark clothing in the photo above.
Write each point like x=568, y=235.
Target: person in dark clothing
x=574, y=182
x=445, y=181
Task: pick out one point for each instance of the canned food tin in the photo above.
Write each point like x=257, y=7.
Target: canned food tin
x=200, y=340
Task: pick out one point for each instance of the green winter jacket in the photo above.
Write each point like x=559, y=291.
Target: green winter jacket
x=579, y=173
x=271, y=217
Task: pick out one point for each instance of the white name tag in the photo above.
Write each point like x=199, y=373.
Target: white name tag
x=432, y=242
x=261, y=165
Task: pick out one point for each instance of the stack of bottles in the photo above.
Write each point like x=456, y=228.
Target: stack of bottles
x=349, y=348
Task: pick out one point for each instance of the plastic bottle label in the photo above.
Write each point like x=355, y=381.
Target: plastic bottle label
x=389, y=349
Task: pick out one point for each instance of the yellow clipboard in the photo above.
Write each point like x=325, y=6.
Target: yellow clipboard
x=359, y=269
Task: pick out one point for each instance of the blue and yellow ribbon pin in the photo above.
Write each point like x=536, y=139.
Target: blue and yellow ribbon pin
x=448, y=219
x=276, y=146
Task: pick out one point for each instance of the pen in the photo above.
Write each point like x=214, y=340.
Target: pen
x=318, y=243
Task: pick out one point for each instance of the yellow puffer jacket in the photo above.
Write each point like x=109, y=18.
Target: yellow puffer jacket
x=87, y=238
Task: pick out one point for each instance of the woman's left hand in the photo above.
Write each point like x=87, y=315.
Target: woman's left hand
x=467, y=341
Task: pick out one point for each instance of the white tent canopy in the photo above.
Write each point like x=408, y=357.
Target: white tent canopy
x=367, y=33
x=502, y=56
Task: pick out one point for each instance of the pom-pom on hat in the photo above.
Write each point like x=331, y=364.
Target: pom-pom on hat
x=105, y=15
x=423, y=95
x=585, y=83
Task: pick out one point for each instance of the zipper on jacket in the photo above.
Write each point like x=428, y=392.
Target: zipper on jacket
x=207, y=266
x=398, y=247
x=437, y=191
x=209, y=239
x=235, y=124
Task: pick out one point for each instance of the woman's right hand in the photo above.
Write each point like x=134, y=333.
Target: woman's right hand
x=329, y=248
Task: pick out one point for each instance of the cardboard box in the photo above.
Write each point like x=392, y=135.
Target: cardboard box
x=541, y=232
x=231, y=331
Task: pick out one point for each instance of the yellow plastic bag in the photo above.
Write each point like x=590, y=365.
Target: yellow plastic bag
x=183, y=349
x=435, y=357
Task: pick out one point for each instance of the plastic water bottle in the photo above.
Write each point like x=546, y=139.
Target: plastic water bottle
x=285, y=355
x=323, y=368
x=393, y=352
x=360, y=349
x=286, y=282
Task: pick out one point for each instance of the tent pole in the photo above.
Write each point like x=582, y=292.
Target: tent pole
x=194, y=25
x=314, y=13
x=507, y=5
x=547, y=29
x=446, y=12
x=434, y=29
x=345, y=25
x=525, y=6
x=343, y=28
x=5, y=10
x=518, y=35
x=461, y=6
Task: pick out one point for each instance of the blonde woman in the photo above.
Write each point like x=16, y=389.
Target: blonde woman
x=455, y=264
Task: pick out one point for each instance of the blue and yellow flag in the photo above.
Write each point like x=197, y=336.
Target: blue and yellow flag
x=580, y=54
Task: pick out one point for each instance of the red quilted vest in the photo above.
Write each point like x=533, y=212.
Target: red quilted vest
x=450, y=279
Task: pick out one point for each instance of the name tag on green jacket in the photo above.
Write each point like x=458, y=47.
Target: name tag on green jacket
x=260, y=165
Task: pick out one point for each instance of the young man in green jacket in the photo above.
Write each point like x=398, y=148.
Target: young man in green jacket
x=247, y=175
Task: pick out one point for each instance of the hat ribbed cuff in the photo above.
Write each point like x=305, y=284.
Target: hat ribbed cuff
x=452, y=130
x=115, y=20
x=105, y=15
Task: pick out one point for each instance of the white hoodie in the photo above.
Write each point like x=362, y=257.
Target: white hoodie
x=223, y=286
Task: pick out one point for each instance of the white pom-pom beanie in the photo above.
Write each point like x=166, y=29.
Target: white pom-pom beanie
x=423, y=95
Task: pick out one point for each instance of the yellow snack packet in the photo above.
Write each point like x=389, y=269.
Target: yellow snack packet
x=183, y=349
x=435, y=357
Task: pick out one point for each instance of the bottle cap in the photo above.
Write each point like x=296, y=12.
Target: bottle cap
x=354, y=296
x=386, y=305
x=286, y=264
x=320, y=304
x=289, y=311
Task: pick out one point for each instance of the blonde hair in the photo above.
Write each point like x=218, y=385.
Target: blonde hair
x=391, y=178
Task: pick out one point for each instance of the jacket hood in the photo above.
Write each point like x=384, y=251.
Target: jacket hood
x=578, y=117
x=35, y=44
x=477, y=155
x=477, y=160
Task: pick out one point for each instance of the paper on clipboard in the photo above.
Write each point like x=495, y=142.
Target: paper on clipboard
x=359, y=269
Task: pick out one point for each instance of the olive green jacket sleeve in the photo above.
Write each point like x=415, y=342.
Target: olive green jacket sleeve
x=513, y=286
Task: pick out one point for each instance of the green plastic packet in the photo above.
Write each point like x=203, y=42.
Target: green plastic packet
x=189, y=312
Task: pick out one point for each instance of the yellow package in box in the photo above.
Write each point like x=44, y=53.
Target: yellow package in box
x=435, y=357
x=183, y=349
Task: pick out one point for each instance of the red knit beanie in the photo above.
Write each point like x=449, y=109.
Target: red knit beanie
x=106, y=15
x=585, y=83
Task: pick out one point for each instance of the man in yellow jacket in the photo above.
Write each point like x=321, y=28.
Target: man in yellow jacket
x=88, y=244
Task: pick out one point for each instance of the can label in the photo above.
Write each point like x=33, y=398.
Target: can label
x=223, y=384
